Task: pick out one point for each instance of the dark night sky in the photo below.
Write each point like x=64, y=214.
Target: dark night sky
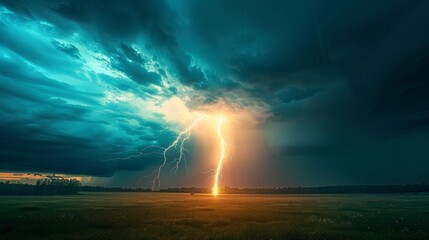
x=340, y=88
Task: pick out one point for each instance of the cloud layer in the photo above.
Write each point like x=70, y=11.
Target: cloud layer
x=341, y=86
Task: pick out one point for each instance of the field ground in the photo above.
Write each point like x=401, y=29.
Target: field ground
x=199, y=216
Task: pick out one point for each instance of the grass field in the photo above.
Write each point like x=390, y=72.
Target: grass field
x=185, y=216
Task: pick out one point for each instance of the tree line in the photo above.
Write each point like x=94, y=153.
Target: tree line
x=47, y=186
x=349, y=189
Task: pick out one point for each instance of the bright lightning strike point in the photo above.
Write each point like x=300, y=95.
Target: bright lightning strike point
x=215, y=189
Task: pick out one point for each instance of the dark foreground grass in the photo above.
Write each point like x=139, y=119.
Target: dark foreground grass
x=184, y=216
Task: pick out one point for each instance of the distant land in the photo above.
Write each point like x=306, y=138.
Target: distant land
x=406, y=188
x=66, y=187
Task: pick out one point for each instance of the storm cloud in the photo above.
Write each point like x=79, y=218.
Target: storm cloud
x=342, y=85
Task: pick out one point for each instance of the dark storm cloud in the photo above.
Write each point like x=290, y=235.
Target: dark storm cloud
x=123, y=20
x=330, y=71
x=345, y=82
x=293, y=93
x=154, y=19
x=369, y=46
x=41, y=129
x=308, y=44
x=36, y=136
x=60, y=153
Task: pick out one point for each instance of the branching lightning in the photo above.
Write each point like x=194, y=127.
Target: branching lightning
x=181, y=138
x=179, y=144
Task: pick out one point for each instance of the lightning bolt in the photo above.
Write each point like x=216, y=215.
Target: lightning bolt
x=215, y=189
x=179, y=143
x=181, y=138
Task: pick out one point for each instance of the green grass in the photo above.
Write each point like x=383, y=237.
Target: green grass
x=185, y=216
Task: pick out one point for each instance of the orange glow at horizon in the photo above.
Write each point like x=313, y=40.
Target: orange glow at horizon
x=31, y=178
